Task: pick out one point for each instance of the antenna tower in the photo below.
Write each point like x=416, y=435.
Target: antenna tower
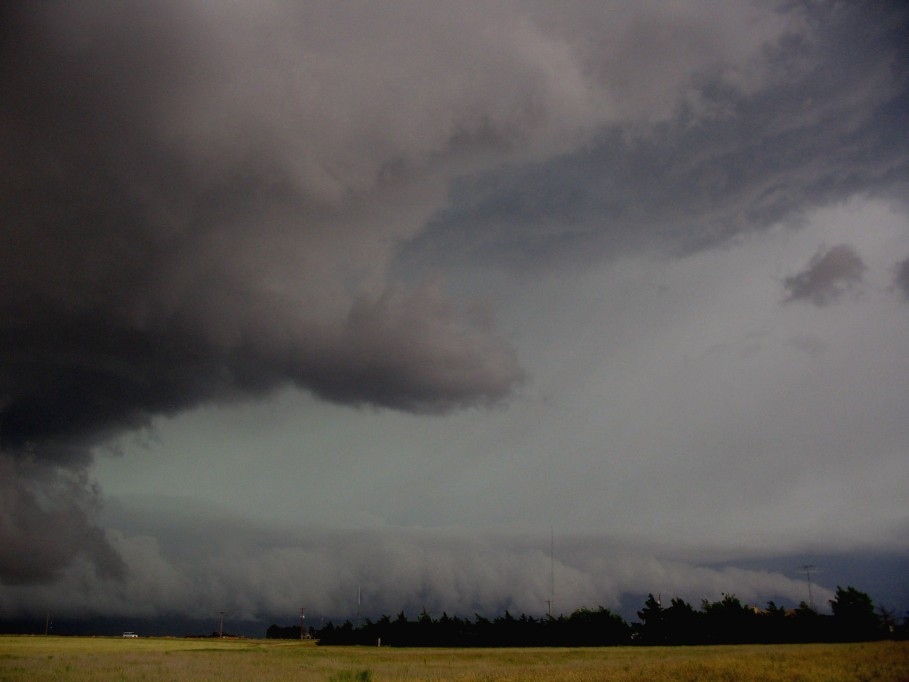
x=806, y=569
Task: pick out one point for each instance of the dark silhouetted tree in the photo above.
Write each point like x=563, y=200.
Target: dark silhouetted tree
x=684, y=625
x=887, y=620
x=728, y=621
x=600, y=627
x=853, y=615
x=652, y=629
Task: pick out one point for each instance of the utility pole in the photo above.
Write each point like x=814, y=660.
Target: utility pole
x=806, y=569
x=221, y=627
x=302, y=618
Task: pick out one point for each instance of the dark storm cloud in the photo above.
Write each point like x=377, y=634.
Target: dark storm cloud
x=203, y=203
x=826, y=122
x=187, y=220
x=137, y=278
x=828, y=275
x=49, y=518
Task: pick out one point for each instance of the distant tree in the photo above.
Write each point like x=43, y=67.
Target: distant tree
x=453, y=631
x=773, y=624
x=723, y=621
x=588, y=627
x=684, y=625
x=399, y=630
x=729, y=621
x=887, y=620
x=285, y=632
x=853, y=615
x=652, y=628
x=811, y=626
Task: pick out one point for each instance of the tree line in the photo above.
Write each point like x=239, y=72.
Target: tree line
x=727, y=621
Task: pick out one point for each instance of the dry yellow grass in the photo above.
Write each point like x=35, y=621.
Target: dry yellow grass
x=173, y=660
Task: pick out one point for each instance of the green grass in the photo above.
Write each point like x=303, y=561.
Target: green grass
x=93, y=659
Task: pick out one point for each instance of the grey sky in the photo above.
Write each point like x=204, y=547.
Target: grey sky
x=381, y=294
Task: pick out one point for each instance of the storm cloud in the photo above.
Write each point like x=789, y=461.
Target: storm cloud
x=387, y=207
x=829, y=274
x=208, y=558
x=193, y=214
x=49, y=516
x=166, y=246
x=814, y=116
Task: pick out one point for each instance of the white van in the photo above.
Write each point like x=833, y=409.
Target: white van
x=130, y=634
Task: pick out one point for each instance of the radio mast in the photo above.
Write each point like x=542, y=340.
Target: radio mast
x=806, y=569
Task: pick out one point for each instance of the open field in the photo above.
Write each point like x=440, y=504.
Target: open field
x=152, y=660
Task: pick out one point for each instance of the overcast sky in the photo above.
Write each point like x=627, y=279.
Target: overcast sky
x=298, y=299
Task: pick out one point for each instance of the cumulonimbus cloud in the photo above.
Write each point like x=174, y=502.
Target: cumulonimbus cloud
x=171, y=242
x=204, y=203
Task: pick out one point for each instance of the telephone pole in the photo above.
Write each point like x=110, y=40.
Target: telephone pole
x=302, y=618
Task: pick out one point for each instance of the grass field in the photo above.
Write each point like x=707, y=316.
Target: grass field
x=112, y=659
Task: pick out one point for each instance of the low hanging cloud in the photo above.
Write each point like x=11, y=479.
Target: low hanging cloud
x=49, y=515
x=206, y=563
x=830, y=273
